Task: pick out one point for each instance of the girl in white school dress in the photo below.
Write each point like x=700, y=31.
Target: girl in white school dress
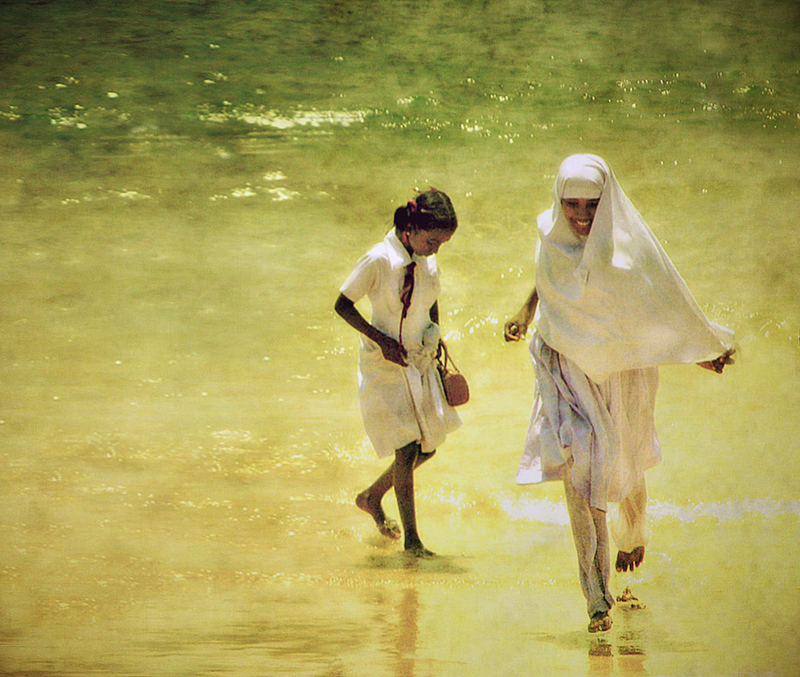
x=609, y=308
x=404, y=410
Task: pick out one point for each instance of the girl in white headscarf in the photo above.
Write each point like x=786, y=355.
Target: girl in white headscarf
x=608, y=307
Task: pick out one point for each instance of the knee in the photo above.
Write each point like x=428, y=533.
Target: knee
x=597, y=514
x=406, y=456
x=599, y=519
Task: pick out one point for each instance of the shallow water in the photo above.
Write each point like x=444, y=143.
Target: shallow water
x=185, y=186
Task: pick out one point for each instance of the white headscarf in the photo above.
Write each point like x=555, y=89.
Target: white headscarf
x=613, y=301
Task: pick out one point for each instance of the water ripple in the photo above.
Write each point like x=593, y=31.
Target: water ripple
x=548, y=512
x=260, y=116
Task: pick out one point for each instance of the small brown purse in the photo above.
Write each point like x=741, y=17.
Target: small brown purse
x=456, y=389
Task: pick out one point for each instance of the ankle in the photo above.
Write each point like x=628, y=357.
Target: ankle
x=412, y=542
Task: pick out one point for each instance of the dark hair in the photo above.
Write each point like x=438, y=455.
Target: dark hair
x=431, y=210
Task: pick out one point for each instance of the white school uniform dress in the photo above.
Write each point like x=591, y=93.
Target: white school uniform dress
x=400, y=405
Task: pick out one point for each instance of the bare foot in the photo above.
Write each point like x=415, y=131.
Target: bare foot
x=387, y=527
x=601, y=622
x=420, y=552
x=628, y=561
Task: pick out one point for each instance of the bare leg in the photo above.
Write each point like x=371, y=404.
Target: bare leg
x=629, y=529
x=370, y=499
x=405, y=461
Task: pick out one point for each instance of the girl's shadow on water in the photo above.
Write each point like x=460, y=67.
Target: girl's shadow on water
x=400, y=560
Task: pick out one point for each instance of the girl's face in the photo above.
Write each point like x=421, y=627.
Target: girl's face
x=579, y=213
x=425, y=242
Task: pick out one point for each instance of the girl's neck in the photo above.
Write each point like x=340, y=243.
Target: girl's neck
x=403, y=237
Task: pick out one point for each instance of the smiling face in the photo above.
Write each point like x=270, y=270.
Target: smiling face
x=579, y=213
x=426, y=242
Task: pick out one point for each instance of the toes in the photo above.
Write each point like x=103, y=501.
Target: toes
x=390, y=529
x=628, y=561
x=600, y=623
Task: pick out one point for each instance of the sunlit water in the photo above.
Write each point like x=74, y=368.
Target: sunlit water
x=185, y=185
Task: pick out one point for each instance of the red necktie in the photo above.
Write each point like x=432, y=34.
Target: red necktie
x=405, y=295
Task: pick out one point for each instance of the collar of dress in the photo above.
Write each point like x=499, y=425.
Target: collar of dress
x=398, y=254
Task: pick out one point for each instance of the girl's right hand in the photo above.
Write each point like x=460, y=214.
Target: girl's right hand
x=393, y=351
x=719, y=364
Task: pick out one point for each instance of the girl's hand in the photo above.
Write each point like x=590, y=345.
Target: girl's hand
x=515, y=330
x=393, y=351
x=718, y=364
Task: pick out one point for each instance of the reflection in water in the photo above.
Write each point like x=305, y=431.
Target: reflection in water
x=601, y=660
x=396, y=625
x=621, y=651
x=407, y=633
x=605, y=655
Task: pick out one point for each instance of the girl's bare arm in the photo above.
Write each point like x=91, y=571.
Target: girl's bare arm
x=390, y=348
x=516, y=328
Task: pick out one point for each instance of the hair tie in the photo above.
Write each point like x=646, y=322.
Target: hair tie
x=412, y=206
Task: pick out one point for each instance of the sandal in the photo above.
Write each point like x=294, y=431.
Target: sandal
x=601, y=622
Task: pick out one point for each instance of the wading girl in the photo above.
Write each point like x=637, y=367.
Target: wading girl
x=404, y=411
x=609, y=308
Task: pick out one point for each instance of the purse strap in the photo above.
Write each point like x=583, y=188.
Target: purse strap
x=447, y=358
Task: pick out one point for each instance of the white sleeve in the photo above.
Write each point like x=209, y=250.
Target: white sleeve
x=363, y=279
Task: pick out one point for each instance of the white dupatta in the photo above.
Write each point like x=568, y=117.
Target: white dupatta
x=613, y=301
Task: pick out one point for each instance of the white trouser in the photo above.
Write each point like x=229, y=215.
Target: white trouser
x=590, y=533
